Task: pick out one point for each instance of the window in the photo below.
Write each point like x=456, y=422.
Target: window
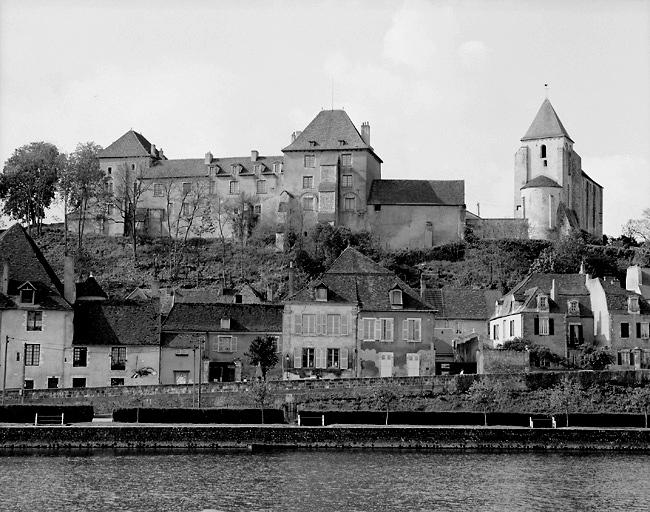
x=495, y=332
x=542, y=302
x=158, y=190
x=261, y=186
x=633, y=304
x=80, y=357
x=377, y=207
x=32, y=354
x=310, y=161
x=234, y=187
x=307, y=182
x=225, y=322
x=185, y=209
x=27, y=296
x=543, y=326
x=346, y=160
x=348, y=204
x=309, y=324
x=226, y=344
x=239, y=298
x=321, y=294
x=512, y=327
x=109, y=187
x=118, y=358
x=34, y=320
x=110, y=170
x=334, y=325
x=542, y=151
x=332, y=358
x=575, y=335
x=386, y=329
x=368, y=329
x=213, y=188
x=396, y=298
x=29, y=384
x=109, y=209
x=78, y=382
x=133, y=167
x=233, y=169
x=412, y=329
x=307, y=357
x=346, y=181
x=276, y=167
x=574, y=308
x=308, y=203
x=181, y=376
x=117, y=381
x=643, y=330
x=52, y=382
x=625, y=330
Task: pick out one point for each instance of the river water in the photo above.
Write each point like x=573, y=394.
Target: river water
x=312, y=481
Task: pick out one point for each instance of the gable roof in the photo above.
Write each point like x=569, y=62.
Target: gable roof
x=546, y=124
x=117, y=322
x=462, y=303
x=207, y=318
x=327, y=129
x=449, y=192
x=616, y=298
x=355, y=279
x=131, y=143
x=541, y=181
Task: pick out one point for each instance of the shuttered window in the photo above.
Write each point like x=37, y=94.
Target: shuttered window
x=368, y=329
x=385, y=329
x=334, y=325
x=297, y=324
x=345, y=322
x=308, y=324
x=320, y=357
x=332, y=357
x=343, y=358
x=411, y=329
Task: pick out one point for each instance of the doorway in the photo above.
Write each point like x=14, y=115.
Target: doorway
x=413, y=365
x=385, y=364
x=221, y=372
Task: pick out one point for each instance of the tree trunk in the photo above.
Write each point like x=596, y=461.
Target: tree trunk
x=645, y=410
x=567, y=417
x=386, y=415
x=484, y=417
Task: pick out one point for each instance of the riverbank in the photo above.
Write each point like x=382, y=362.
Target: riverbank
x=120, y=438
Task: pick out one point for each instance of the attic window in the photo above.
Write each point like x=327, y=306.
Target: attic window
x=342, y=142
x=133, y=167
x=313, y=143
x=277, y=167
x=27, y=296
x=542, y=303
x=321, y=294
x=225, y=323
x=233, y=169
x=239, y=299
x=633, y=304
x=396, y=298
x=110, y=170
x=542, y=151
x=574, y=309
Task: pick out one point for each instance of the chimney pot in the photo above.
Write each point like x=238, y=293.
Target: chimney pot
x=365, y=132
x=153, y=150
x=208, y=158
x=254, y=155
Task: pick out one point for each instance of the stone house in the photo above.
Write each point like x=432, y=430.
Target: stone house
x=219, y=336
x=35, y=314
x=358, y=319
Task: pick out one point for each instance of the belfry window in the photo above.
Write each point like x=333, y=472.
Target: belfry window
x=542, y=153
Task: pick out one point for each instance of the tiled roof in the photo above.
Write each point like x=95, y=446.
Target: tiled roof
x=196, y=168
x=617, y=298
x=90, y=288
x=450, y=192
x=566, y=284
x=327, y=130
x=462, y=303
x=356, y=279
x=130, y=144
x=541, y=181
x=117, y=323
x=207, y=318
x=546, y=124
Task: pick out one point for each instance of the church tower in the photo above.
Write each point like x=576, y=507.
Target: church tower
x=551, y=190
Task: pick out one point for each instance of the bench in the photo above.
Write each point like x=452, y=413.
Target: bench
x=43, y=419
x=302, y=419
x=542, y=422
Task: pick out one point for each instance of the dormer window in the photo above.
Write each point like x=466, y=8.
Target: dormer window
x=233, y=169
x=313, y=143
x=321, y=294
x=574, y=308
x=542, y=151
x=633, y=304
x=396, y=298
x=277, y=167
x=27, y=295
x=225, y=323
x=542, y=302
x=342, y=142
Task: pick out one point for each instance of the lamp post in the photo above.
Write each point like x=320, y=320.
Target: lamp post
x=4, y=370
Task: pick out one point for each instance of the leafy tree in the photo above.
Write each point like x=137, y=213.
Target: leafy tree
x=563, y=257
x=486, y=394
x=639, y=399
x=263, y=352
x=565, y=396
x=596, y=358
x=384, y=394
x=28, y=182
x=81, y=182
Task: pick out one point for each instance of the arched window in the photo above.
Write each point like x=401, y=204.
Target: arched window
x=542, y=153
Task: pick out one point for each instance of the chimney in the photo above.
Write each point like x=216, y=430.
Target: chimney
x=208, y=158
x=582, y=268
x=254, y=155
x=155, y=288
x=423, y=285
x=160, y=153
x=69, y=287
x=269, y=293
x=291, y=278
x=634, y=279
x=365, y=132
x=153, y=150
x=295, y=135
x=553, y=290
x=5, y=277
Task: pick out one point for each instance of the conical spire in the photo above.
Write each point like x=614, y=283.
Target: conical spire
x=546, y=124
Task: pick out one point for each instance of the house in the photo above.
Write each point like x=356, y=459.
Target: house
x=116, y=343
x=637, y=279
x=219, y=336
x=358, y=319
x=551, y=310
x=35, y=314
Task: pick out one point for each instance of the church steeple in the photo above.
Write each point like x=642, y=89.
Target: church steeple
x=546, y=124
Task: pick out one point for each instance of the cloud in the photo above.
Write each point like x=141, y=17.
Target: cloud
x=473, y=55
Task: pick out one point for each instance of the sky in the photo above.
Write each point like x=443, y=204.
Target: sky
x=448, y=88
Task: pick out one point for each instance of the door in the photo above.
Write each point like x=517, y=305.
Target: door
x=181, y=376
x=385, y=364
x=413, y=365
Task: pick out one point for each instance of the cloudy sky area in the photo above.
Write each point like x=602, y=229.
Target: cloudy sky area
x=449, y=88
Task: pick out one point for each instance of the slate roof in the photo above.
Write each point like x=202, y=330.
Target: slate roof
x=117, y=322
x=355, y=279
x=90, y=288
x=130, y=144
x=462, y=303
x=546, y=124
x=196, y=168
x=326, y=130
x=27, y=263
x=207, y=318
x=617, y=298
x=541, y=181
x=449, y=192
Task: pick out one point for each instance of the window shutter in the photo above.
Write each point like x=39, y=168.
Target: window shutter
x=390, y=329
x=536, y=330
x=405, y=330
x=343, y=359
x=344, y=324
x=551, y=330
x=320, y=356
x=416, y=330
x=638, y=329
x=234, y=344
x=322, y=324
x=297, y=324
x=377, y=329
x=362, y=329
x=297, y=357
x=580, y=338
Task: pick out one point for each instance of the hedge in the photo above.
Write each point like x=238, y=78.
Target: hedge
x=178, y=415
x=27, y=413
